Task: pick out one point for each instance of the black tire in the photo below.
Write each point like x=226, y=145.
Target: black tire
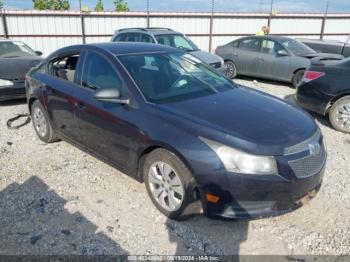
x=47, y=135
x=231, y=69
x=334, y=113
x=298, y=76
x=183, y=173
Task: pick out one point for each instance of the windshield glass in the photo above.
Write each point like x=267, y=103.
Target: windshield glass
x=177, y=41
x=297, y=47
x=174, y=77
x=10, y=49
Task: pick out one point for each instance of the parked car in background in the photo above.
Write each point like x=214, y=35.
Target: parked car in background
x=271, y=57
x=165, y=118
x=16, y=58
x=166, y=36
x=329, y=46
x=325, y=89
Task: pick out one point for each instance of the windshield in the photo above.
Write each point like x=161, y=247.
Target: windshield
x=10, y=49
x=297, y=47
x=173, y=77
x=177, y=41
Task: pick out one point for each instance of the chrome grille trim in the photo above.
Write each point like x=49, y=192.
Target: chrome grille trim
x=303, y=146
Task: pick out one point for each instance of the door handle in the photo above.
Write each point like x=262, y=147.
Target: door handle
x=79, y=105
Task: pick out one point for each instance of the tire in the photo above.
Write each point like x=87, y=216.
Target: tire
x=168, y=201
x=339, y=114
x=231, y=69
x=298, y=76
x=41, y=123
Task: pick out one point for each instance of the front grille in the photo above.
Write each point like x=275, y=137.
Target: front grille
x=310, y=164
x=216, y=65
x=315, y=138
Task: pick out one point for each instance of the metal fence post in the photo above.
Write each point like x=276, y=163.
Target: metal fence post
x=4, y=24
x=82, y=27
x=211, y=25
x=322, y=27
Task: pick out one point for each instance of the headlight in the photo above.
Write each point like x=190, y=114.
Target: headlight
x=238, y=161
x=4, y=82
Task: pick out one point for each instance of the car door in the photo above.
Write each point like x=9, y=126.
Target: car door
x=104, y=128
x=247, y=56
x=274, y=63
x=61, y=91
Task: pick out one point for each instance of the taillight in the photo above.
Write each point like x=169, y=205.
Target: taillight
x=312, y=75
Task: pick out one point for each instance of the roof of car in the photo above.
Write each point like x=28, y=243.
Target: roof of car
x=152, y=30
x=123, y=48
x=272, y=37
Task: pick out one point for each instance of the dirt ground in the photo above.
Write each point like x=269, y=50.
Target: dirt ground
x=56, y=199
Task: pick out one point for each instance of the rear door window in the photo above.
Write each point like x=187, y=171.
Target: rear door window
x=250, y=44
x=146, y=38
x=64, y=67
x=128, y=37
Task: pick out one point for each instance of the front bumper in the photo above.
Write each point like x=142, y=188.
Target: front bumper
x=251, y=196
x=12, y=92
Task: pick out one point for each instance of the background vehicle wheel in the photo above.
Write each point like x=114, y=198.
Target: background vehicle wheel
x=298, y=76
x=168, y=182
x=41, y=123
x=231, y=70
x=339, y=115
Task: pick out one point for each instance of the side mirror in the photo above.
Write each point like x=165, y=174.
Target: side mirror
x=282, y=53
x=111, y=95
x=38, y=53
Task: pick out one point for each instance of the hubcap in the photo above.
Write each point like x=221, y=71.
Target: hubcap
x=166, y=186
x=39, y=121
x=230, y=70
x=343, y=115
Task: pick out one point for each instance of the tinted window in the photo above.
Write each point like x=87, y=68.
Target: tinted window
x=146, y=38
x=297, y=47
x=64, y=67
x=164, y=78
x=127, y=37
x=10, y=49
x=270, y=47
x=99, y=73
x=177, y=41
x=251, y=44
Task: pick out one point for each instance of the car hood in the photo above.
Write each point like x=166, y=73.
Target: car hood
x=16, y=68
x=206, y=56
x=324, y=55
x=250, y=120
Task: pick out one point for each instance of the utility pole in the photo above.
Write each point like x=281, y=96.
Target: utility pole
x=79, y=5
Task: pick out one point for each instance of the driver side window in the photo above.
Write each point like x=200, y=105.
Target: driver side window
x=98, y=73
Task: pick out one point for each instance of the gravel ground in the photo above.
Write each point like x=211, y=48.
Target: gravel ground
x=56, y=199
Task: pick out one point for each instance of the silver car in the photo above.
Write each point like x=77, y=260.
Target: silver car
x=166, y=36
x=271, y=57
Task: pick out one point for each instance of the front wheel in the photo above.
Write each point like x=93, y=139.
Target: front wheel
x=231, y=70
x=168, y=182
x=339, y=115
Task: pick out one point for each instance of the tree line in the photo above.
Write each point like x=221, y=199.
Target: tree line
x=119, y=5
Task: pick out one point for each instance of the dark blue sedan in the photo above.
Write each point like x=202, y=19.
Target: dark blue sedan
x=163, y=117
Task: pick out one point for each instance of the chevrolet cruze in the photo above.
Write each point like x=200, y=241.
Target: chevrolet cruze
x=163, y=117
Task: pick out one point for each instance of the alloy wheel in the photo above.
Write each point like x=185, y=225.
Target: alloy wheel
x=39, y=121
x=166, y=186
x=343, y=115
